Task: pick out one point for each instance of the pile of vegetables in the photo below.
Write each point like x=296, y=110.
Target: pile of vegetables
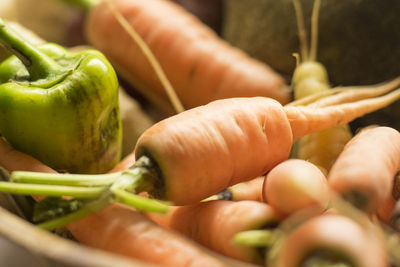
x=240, y=162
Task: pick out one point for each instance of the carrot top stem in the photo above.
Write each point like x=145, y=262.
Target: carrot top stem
x=141, y=203
x=103, y=189
x=63, y=179
x=255, y=238
x=51, y=190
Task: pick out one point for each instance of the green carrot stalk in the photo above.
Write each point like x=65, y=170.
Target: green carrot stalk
x=103, y=189
x=63, y=179
x=51, y=190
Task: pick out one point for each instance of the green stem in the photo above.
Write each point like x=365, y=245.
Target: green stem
x=51, y=190
x=84, y=5
x=86, y=210
x=133, y=180
x=63, y=179
x=255, y=238
x=140, y=203
x=39, y=65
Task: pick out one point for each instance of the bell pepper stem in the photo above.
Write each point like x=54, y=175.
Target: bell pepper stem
x=84, y=211
x=51, y=190
x=39, y=65
x=63, y=179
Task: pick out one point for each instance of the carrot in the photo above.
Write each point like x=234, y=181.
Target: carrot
x=120, y=229
x=200, y=66
x=13, y=160
x=310, y=77
x=250, y=190
x=126, y=232
x=127, y=162
x=333, y=239
x=214, y=224
x=385, y=212
x=365, y=170
x=394, y=219
x=295, y=184
x=209, y=148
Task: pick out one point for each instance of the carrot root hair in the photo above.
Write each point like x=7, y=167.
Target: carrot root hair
x=176, y=103
x=340, y=95
x=308, y=119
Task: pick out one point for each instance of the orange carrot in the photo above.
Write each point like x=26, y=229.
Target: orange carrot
x=127, y=162
x=127, y=232
x=200, y=66
x=13, y=160
x=215, y=223
x=384, y=213
x=250, y=190
x=394, y=219
x=209, y=148
x=296, y=184
x=120, y=229
x=330, y=239
x=365, y=170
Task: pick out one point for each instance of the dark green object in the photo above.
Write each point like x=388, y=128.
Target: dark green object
x=60, y=107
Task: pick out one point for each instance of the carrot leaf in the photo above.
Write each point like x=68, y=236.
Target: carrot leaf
x=141, y=203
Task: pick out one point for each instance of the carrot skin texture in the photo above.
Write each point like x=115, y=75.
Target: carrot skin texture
x=333, y=231
x=127, y=232
x=368, y=165
x=214, y=224
x=201, y=66
x=295, y=184
x=209, y=148
x=13, y=160
x=250, y=190
x=384, y=213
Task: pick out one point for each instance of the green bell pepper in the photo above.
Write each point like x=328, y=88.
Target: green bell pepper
x=60, y=107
